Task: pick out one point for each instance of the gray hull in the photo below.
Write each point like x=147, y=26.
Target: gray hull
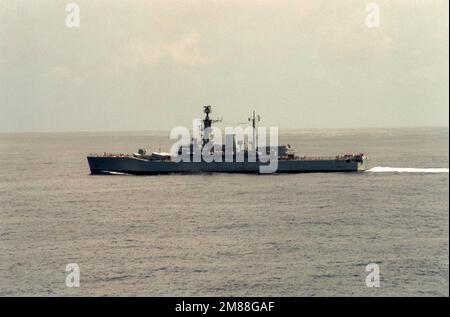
x=132, y=165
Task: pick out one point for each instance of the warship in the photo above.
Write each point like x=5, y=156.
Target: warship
x=236, y=160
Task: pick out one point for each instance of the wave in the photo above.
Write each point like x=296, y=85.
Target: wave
x=382, y=169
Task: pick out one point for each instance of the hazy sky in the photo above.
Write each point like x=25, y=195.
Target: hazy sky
x=151, y=65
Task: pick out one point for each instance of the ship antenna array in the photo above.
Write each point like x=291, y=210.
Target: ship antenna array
x=254, y=119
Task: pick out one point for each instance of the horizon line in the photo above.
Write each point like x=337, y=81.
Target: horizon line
x=166, y=130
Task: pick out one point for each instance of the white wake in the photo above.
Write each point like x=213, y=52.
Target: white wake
x=382, y=169
x=112, y=173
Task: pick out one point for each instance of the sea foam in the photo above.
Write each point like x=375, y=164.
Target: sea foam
x=382, y=169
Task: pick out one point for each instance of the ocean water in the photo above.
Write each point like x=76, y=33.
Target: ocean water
x=225, y=235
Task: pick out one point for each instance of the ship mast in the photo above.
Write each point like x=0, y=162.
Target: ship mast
x=254, y=118
x=207, y=123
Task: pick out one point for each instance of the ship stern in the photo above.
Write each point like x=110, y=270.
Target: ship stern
x=363, y=165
